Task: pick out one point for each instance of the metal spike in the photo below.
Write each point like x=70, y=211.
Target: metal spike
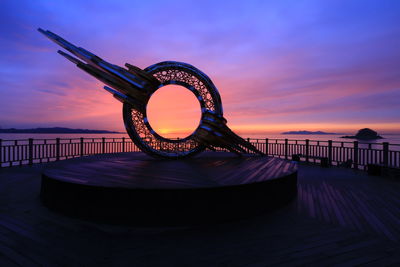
x=70, y=58
x=122, y=97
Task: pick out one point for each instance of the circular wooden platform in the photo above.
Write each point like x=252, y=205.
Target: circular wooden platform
x=134, y=188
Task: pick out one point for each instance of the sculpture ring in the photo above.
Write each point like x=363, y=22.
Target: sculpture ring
x=137, y=124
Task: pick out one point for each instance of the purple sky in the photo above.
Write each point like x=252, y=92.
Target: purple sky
x=279, y=65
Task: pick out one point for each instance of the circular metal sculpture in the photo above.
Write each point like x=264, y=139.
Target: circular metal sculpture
x=134, y=86
x=199, y=84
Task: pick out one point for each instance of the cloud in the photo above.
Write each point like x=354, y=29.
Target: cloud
x=273, y=62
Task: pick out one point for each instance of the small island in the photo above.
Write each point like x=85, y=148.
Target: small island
x=306, y=132
x=364, y=134
x=56, y=130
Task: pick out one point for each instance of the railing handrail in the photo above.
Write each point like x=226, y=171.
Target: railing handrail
x=28, y=151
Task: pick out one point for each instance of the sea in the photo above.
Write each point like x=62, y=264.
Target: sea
x=390, y=138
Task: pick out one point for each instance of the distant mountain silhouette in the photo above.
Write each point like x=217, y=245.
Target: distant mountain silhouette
x=53, y=130
x=306, y=132
x=364, y=134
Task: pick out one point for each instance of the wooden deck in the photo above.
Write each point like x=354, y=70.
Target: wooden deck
x=341, y=217
x=367, y=204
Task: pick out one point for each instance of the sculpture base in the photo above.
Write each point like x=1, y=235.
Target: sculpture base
x=134, y=188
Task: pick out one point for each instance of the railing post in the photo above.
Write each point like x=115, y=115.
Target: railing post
x=248, y=140
x=30, y=151
x=266, y=146
x=123, y=144
x=1, y=152
x=286, y=149
x=103, y=145
x=385, y=153
x=307, y=150
x=355, y=155
x=16, y=156
x=330, y=152
x=81, y=147
x=57, y=149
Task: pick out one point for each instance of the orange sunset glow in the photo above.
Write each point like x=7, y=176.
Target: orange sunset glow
x=277, y=67
x=173, y=110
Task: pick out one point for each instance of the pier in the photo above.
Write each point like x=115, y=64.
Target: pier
x=340, y=216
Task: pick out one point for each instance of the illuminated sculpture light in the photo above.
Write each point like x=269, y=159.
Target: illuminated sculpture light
x=134, y=87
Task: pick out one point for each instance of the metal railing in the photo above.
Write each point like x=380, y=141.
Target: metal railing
x=29, y=151
x=357, y=154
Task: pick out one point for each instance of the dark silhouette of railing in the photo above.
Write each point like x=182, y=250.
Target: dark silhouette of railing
x=29, y=151
x=357, y=154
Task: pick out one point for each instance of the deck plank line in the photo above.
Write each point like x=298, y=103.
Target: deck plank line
x=383, y=215
x=372, y=220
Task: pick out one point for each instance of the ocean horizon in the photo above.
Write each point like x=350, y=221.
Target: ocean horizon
x=390, y=138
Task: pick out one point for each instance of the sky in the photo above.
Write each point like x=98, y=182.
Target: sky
x=278, y=65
